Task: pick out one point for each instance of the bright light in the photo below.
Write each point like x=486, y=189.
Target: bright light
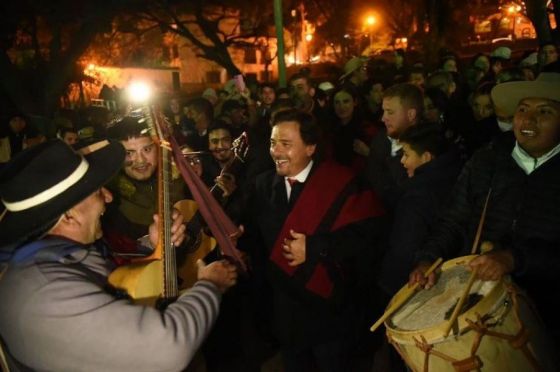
x=511, y=9
x=91, y=66
x=139, y=92
x=308, y=37
x=370, y=20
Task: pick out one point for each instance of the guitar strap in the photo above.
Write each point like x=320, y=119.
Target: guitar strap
x=219, y=223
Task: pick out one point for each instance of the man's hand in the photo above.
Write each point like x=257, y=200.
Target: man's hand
x=360, y=147
x=177, y=229
x=221, y=273
x=417, y=276
x=226, y=182
x=294, y=249
x=493, y=265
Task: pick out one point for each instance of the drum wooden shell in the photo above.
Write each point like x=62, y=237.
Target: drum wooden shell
x=501, y=332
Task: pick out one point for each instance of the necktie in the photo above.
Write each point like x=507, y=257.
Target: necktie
x=292, y=181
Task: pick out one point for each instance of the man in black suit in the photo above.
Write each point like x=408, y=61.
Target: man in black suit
x=312, y=224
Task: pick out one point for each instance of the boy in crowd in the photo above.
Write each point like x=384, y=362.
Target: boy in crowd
x=432, y=171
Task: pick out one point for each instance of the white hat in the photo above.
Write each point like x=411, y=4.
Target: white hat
x=210, y=95
x=325, y=86
x=501, y=52
x=531, y=60
x=209, y=92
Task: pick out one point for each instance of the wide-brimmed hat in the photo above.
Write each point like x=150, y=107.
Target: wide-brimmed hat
x=352, y=65
x=41, y=183
x=508, y=95
x=501, y=52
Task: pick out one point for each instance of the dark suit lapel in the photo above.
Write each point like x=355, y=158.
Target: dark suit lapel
x=279, y=197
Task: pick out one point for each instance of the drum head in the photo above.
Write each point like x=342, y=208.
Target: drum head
x=428, y=308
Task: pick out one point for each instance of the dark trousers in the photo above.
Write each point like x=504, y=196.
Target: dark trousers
x=332, y=356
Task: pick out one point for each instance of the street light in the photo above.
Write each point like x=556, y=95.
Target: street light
x=139, y=92
x=370, y=21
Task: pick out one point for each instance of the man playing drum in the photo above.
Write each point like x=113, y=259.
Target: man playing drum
x=523, y=213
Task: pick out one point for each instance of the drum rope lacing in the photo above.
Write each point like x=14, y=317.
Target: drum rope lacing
x=481, y=326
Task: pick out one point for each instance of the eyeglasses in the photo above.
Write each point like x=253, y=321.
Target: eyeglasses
x=193, y=160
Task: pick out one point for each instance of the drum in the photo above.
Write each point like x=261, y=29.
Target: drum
x=497, y=329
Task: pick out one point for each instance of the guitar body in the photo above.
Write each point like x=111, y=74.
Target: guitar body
x=203, y=245
x=138, y=281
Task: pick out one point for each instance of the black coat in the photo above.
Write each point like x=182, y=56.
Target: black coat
x=523, y=216
x=384, y=172
x=415, y=216
x=300, y=319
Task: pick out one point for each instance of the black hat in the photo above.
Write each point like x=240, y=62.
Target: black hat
x=41, y=183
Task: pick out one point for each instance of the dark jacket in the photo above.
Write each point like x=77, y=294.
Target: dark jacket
x=415, y=216
x=385, y=172
x=300, y=319
x=523, y=216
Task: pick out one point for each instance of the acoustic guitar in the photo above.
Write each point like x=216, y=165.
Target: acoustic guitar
x=152, y=280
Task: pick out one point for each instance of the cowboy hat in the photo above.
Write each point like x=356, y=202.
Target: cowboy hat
x=41, y=183
x=508, y=95
x=352, y=65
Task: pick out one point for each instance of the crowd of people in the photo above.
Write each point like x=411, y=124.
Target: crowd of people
x=350, y=188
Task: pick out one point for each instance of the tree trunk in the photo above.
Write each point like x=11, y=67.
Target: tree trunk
x=556, y=32
x=536, y=11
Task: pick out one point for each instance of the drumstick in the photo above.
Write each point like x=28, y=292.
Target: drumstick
x=481, y=223
x=485, y=247
x=410, y=291
x=461, y=302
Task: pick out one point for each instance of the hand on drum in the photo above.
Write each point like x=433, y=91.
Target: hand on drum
x=493, y=265
x=417, y=276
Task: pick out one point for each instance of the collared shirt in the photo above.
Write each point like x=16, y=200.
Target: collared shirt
x=300, y=177
x=505, y=126
x=395, y=146
x=529, y=163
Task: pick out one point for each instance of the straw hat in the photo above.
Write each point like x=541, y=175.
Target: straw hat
x=508, y=95
x=352, y=65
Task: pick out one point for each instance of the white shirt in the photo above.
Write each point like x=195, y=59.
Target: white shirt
x=395, y=146
x=300, y=177
x=527, y=162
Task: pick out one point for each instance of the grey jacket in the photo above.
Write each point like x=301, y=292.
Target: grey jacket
x=59, y=316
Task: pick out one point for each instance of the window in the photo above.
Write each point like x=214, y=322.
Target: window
x=250, y=55
x=213, y=77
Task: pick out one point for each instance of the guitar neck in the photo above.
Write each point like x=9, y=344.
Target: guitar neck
x=165, y=246
x=165, y=211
